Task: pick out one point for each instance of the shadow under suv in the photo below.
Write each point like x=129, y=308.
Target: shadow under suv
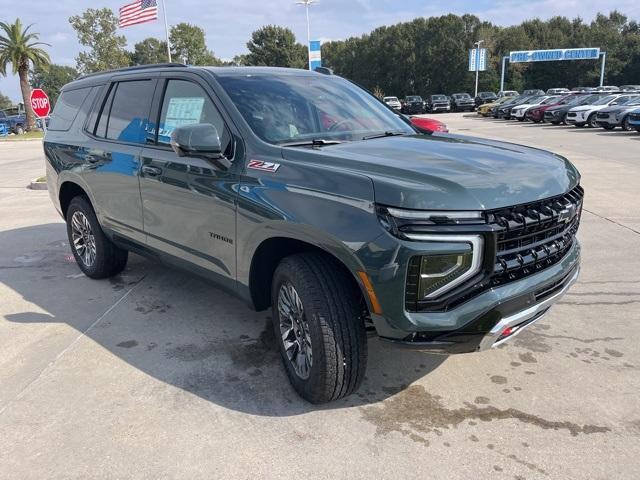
x=303, y=193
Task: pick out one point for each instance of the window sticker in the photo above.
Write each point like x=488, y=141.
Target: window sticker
x=181, y=111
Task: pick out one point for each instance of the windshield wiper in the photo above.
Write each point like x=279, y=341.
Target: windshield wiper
x=316, y=142
x=393, y=133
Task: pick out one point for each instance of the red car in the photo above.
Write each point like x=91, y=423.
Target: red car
x=428, y=125
x=536, y=114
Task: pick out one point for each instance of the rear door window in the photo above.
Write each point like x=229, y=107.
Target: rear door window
x=67, y=108
x=129, y=116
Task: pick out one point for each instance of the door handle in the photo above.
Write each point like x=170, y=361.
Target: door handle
x=151, y=171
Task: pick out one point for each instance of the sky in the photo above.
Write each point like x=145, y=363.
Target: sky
x=228, y=23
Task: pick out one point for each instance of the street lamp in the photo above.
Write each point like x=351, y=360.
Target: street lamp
x=307, y=4
x=477, y=45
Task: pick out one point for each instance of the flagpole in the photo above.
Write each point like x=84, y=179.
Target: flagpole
x=166, y=30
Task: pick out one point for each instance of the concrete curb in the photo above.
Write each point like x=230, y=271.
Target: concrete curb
x=35, y=185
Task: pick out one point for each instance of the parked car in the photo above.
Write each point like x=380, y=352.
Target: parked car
x=536, y=114
x=609, y=88
x=16, y=123
x=617, y=116
x=583, y=89
x=557, y=91
x=500, y=110
x=438, y=103
x=634, y=119
x=462, y=102
x=393, y=102
x=519, y=112
x=505, y=110
x=486, y=109
x=532, y=92
x=586, y=114
x=485, y=97
x=558, y=114
x=428, y=125
x=412, y=105
x=321, y=205
x=630, y=88
x=508, y=93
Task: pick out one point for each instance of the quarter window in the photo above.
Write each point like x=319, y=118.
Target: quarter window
x=67, y=108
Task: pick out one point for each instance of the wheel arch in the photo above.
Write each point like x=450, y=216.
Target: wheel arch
x=68, y=191
x=270, y=252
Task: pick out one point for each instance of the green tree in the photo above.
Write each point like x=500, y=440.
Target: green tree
x=96, y=29
x=275, y=47
x=188, y=44
x=52, y=79
x=5, y=102
x=19, y=48
x=148, y=51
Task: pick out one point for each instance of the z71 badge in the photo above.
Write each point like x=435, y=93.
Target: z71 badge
x=264, y=166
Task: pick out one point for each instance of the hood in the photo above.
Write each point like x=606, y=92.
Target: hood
x=448, y=172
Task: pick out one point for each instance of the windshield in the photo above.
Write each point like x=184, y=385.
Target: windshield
x=289, y=107
x=461, y=95
x=438, y=98
x=550, y=100
x=626, y=100
x=390, y=99
x=414, y=99
x=604, y=100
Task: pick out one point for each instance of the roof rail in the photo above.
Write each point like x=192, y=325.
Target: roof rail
x=133, y=69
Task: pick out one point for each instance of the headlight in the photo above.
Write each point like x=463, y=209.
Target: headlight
x=441, y=272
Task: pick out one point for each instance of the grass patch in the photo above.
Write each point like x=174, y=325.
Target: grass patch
x=36, y=134
x=41, y=179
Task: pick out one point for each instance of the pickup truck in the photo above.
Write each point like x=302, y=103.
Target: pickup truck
x=305, y=196
x=15, y=123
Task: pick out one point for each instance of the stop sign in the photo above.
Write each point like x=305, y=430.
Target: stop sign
x=40, y=103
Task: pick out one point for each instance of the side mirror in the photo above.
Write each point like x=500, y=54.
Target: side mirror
x=196, y=140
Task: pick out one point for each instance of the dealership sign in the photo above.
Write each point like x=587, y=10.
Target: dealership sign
x=315, y=56
x=554, y=55
x=478, y=60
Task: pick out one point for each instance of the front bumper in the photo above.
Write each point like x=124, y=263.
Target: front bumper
x=477, y=323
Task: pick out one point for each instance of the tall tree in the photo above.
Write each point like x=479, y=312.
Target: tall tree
x=52, y=79
x=96, y=29
x=21, y=49
x=148, y=51
x=188, y=44
x=275, y=46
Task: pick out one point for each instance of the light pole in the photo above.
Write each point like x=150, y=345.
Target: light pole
x=477, y=45
x=307, y=4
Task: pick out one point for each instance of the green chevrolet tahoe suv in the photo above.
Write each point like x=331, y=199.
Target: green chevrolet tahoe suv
x=303, y=193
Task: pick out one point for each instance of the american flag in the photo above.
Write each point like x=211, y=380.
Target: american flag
x=139, y=11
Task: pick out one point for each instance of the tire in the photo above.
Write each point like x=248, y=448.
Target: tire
x=19, y=130
x=608, y=127
x=520, y=119
x=330, y=327
x=83, y=230
x=579, y=125
x=556, y=123
x=626, y=126
x=591, y=121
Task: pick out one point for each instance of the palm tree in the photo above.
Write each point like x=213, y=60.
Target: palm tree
x=18, y=47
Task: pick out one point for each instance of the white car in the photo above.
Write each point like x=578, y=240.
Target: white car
x=529, y=102
x=587, y=114
x=393, y=102
x=519, y=112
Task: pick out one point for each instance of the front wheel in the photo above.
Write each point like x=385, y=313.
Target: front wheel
x=96, y=255
x=591, y=121
x=626, y=126
x=317, y=318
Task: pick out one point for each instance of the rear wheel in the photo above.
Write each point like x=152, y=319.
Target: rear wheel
x=19, y=130
x=318, y=322
x=96, y=255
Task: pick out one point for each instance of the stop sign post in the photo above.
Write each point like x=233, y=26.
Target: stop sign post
x=41, y=105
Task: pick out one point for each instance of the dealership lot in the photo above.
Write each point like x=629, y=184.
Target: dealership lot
x=156, y=374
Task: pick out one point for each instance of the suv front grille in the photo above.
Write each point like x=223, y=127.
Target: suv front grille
x=523, y=240
x=534, y=236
